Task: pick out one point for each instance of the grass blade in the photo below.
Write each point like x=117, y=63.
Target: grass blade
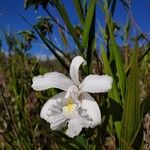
x=88, y=22
x=117, y=56
x=113, y=7
x=61, y=9
x=49, y=44
x=114, y=94
x=139, y=59
x=89, y=34
x=131, y=113
x=145, y=105
x=79, y=9
x=91, y=45
x=63, y=37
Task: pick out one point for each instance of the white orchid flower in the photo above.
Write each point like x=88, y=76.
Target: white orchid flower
x=74, y=106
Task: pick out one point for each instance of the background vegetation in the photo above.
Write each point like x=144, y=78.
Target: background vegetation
x=128, y=62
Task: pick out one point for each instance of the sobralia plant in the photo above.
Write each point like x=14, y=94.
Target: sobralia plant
x=122, y=108
x=116, y=117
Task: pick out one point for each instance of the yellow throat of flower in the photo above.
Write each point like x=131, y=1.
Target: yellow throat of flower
x=70, y=105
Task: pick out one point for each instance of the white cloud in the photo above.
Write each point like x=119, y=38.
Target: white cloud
x=44, y=57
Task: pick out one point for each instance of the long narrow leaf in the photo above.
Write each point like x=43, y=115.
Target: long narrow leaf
x=114, y=94
x=64, y=15
x=50, y=45
x=145, y=105
x=131, y=113
x=63, y=37
x=79, y=9
x=91, y=44
x=113, y=7
x=139, y=59
x=88, y=22
x=118, y=58
x=52, y=48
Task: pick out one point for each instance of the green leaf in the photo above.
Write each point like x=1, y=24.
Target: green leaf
x=131, y=113
x=114, y=94
x=53, y=49
x=144, y=54
x=137, y=141
x=70, y=141
x=139, y=59
x=103, y=32
x=117, y=56
x=89, y=35
x=63, y=37
x=91, y=45
x=61, y=9
x=116, y=117
x=145, y=105
x=81, y=139
x=79, y=9
x=88, y=22
x=50, y=45
x=118, y=127
x=113, y=7
x=127, y=30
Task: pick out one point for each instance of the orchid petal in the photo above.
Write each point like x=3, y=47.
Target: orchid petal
x=92, y=108
x=74, y=69
x=57, y=121
x=49, y=105
x=96, y=84
x=74, y=128
x=51, y=80
x=52, y=113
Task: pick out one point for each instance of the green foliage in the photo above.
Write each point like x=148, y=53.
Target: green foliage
x=79, y=8
x=88, y=23
x=131, y=113
x=61, y=9
x=123, y=108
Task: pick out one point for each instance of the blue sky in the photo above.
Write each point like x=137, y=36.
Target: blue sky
x=12, y=22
